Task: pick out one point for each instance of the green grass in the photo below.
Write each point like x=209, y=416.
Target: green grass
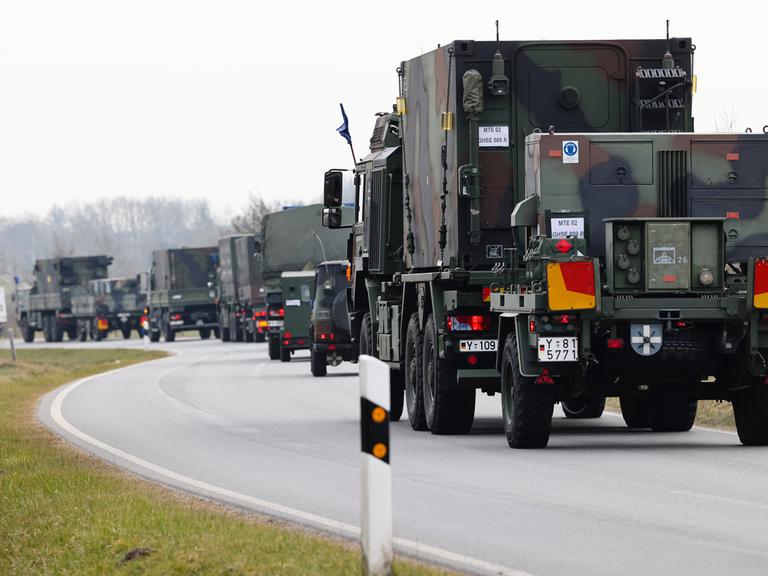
x=63, y=512
x=710, y=413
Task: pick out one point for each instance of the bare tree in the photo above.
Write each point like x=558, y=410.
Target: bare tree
x=249, y=222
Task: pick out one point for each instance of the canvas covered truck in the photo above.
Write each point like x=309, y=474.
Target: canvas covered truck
x=110, y=304
x=298, y=291
x=241, y=292
x=644, y=277
x=182, y=292
x=294, y=240
x=47, y=305
x=445, y=170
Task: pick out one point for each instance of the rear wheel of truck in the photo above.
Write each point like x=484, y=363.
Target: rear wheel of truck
x=57, y=332
x=205, y=333
x=414, y=393
x=46, y=329
x=154, y=335
x=27, y=332
x=285, y=354
x=672, y=414
x=366, y=335
x=168, y=332
x=72, y=333
x=274, y=348
x=318, y=363
x=750, y=409
x=635, y=412
x=526, y=406
x=583, y=408
x=396, y=394
x=126, y=331
x=447, y=410
x=259, y=337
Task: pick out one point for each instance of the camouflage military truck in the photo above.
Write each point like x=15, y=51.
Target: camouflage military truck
x=110, y=304
x=329, y=339
x=182, y=292
x=58, y=284
x=445, y=170
x=298, y=290
x=645, y=277
x=241, y=292
x=292, y=240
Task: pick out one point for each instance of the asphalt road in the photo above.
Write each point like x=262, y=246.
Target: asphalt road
x=223, y=421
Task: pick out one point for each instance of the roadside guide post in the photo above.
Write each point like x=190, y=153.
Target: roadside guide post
x=4, y=321
x=375, y=473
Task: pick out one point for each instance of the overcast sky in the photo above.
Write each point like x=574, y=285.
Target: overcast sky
x=221, y=99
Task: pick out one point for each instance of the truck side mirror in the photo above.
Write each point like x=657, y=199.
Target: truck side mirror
x=332, y=189
x=332, y=217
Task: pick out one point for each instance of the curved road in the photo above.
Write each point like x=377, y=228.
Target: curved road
x=223, y=421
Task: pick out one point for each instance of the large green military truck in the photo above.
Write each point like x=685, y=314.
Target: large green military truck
x=293, y=240
x=645, y=276
x=329, y=339
x=298, y=290
x=182, y=292
x=445, y=170
x=59, y=283
x=110, y=304
x=241, y=291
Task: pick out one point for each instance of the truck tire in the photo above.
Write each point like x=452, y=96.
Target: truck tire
x=285, y=354
x=168, y=332
x=526, y=406
x=274, y=348
x=750, y=409
x=318, y=363
x=205, y=333
x=27, y=332
x=57, y=332
x=366, y=335
x=72, y=333
x=447, y=410
x=414, y=393
x=126, y=331
x=635, y=412
x=154, y=335
x=396, y=394
x=583, y=408
x=259, y=337
x=673, y=414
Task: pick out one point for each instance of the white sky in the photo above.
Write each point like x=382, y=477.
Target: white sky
x=221, y=99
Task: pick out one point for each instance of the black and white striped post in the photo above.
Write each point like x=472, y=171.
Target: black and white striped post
x=375, y=474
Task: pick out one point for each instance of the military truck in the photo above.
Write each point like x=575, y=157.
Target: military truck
x=298, y=290
x=445, y=170
x=293, y=240
x=110, y=304
x=241, y=292
x=329, y=339
x=48, y=304
x=182, y=292
x=645, y=277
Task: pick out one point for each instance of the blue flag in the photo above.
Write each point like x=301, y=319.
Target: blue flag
x=344, y=128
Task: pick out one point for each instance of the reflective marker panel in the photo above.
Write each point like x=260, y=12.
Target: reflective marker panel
x=571, y=285
x=760, y=298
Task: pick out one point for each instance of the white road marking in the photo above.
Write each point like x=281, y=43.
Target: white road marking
x=413, y=548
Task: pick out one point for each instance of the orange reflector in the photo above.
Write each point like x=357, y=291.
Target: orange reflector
x=378, y=414
x=379, y=450
x=732, y=215
x=760, y=297
x=571, y=285
x=732, y=156
x=555, y=153
x=349, y=272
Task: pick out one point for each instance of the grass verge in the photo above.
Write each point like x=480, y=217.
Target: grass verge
x=63, y=512
x=710, y=413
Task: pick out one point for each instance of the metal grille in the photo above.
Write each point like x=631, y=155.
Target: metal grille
x=673, y=183
x=374, y=236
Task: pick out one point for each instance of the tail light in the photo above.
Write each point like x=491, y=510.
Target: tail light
x=615, y=343
x=323, y=336
x=760, y=296
x=571, y=285
x=288, y=335
x=468, y=323
x=175, y=316
x=349, y=273
x=259, y=314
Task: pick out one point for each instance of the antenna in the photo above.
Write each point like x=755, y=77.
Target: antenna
x=667, y=34
x=497, y=33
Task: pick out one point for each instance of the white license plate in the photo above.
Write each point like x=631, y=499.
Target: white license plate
x=477, y=345
x=275, y=323
x=558, y=349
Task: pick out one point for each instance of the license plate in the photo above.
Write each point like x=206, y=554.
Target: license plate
x=558, y=349
x=477, y=345
x=275, y=323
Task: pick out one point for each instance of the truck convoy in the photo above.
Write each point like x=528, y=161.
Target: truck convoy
x=58, y=284
x=182, y=292
x=241, y=291
x=110, y=304
x=293, y=240
x=329, y=339
x=444, y=173
x=298, y=292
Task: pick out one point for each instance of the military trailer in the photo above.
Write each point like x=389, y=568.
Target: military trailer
x=298, y=290
x=241, y=292
x=329, y=339
x=445, y=170
x=110, y=304
x=182, y=292
x=645, y=278
x=48, y=305
x=293, y=240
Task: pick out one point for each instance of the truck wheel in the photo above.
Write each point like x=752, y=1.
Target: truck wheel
x=72, y=333
x=582, y=408
x=168, y=332
x=27, y=332
x=366, y=335
x=57, y=332
x=671, y=414
x=205, y=333
x=447, y=410
x=414, y=393
x=526, y=406
x=126, y=330
x=635, y=412
x=82, y=331
x=750, y=409
x=396, y=394
x=259, y=337
x=154, y=335
x=274, y=348
x=317, y=362
x=285, y=354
